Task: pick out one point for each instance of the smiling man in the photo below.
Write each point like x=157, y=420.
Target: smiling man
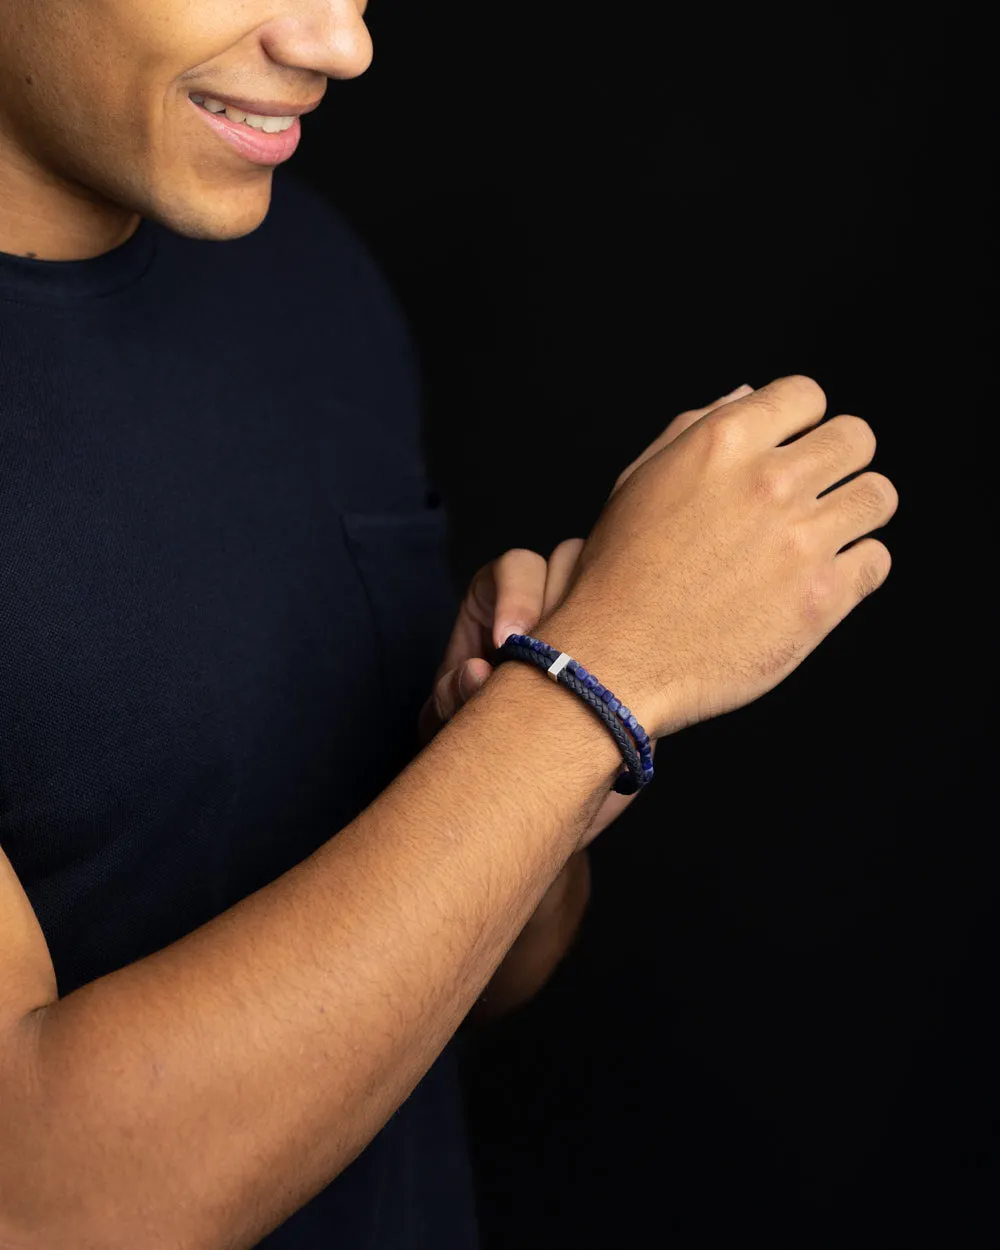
x=223, y=600
x=110, y=113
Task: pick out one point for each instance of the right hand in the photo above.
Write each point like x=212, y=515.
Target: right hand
x=713, y=569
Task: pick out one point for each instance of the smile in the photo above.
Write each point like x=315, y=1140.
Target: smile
x=257, y=121
x=256, y=137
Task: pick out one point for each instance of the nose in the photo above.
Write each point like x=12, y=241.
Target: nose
x=326, y=36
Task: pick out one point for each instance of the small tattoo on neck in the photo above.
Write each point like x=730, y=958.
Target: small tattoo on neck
x=31, y=255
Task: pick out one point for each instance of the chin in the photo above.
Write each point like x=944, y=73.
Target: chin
x=216, y=215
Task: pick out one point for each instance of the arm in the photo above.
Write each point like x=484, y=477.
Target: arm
x=541, y=945
x=213, y=1088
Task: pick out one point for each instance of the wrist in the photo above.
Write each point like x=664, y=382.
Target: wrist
x=568, y=630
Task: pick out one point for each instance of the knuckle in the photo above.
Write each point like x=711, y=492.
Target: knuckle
x=825, y=444
x=568, y=546
x=858, y=434
x=770, y=483
x=513, y=571
x=722, y=433
x=805, y=388
x=872, y=494
x=890, y=495
x=517, y=555
x=874, y=569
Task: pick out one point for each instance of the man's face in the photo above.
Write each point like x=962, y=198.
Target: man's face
x=95, y=101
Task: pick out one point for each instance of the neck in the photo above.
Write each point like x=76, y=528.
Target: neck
x=44, y=217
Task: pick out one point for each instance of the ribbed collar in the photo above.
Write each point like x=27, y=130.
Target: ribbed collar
x=69, y=280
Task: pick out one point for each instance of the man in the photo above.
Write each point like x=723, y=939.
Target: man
x=223, y=603
x=183, y=429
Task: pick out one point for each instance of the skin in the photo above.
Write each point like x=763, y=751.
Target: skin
x=97, y=132
x=72, y=188
x=79, y=170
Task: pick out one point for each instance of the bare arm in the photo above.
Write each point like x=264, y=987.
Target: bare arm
x=540, y=947
x=203, y=1094
x=196, y=1098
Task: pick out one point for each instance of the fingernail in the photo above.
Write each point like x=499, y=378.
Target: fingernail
x=505, y=632
x=737, y=394
x=469, y=682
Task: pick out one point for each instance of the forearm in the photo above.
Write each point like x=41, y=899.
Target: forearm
x=198, y=1097
x=541, y=946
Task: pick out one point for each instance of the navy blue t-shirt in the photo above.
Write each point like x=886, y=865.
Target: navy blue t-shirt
x=224, y=591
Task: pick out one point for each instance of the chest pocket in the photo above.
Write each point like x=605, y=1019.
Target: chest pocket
x=402, y=560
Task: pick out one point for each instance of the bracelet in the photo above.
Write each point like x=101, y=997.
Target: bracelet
x=618, y=719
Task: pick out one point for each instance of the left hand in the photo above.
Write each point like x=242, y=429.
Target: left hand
x=509, y=595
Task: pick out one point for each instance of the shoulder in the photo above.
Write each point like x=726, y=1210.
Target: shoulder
x=300, y=216
x=308, y=223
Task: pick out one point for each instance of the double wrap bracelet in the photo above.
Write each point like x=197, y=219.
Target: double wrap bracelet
x=632, y=739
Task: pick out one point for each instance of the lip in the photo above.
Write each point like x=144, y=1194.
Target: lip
x=265, y=108
x=252, y=145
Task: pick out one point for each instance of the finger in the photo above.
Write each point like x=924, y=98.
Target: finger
x=475, y=673
x=785, y=407
x=450, y=692
x=561, y=572
x=863, y=569
x=676, y=428
x=831, y=452
x=864, y=504
x=686, y=419
x=472, y=634
x=520, y=576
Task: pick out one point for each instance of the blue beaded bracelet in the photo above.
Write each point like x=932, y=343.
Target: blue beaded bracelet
x=562, y=668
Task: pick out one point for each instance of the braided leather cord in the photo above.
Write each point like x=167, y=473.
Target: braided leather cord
x=639, y=770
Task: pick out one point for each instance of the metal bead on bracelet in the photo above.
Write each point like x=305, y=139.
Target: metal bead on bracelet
x=618, y=719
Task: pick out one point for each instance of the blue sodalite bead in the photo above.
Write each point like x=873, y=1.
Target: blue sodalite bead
x=589, y=682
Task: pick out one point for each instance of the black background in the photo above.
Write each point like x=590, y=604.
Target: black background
x=777, y=1024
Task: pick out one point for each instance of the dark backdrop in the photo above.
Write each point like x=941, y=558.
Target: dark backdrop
x=777, y=1024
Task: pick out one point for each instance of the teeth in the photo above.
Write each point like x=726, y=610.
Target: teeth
x=258, y=121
